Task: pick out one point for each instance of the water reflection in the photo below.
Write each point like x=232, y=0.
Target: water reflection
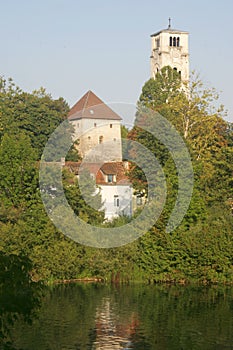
x=19, y=296
x=111, y=331
x=94, y=317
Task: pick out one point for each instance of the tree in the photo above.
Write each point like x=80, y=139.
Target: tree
x=36, y=113
x=18, y=178
x=158, y=91
x=85, y=200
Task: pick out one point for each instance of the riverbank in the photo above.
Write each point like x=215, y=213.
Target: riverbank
x=184, y=282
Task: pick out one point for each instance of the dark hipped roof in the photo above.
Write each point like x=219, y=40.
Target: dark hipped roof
x=92, y=107
x=170, y=30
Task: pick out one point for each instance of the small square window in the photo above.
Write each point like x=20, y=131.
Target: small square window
x=111, y=126
x=110, y=178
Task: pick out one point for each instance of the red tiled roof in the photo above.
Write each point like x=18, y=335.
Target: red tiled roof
x=92, y=107
x=100, y=170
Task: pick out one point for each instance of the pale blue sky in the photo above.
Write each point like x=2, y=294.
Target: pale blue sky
x=71, y=46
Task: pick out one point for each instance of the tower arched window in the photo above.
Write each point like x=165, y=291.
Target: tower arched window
x=178, y=42
x=174, y=41
x=101, y=139
x=170, y=40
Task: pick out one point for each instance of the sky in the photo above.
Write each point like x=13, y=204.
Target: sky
x=72, y=46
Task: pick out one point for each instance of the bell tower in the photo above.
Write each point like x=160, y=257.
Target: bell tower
x=169, y=47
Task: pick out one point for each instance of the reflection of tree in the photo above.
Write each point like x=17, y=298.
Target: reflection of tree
x=19, y=295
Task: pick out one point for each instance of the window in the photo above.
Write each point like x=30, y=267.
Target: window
x=116, y=201
x=173, y=41
x=95, y=125
x=110, y=178
x=170, y=41
x=111, y=126
x=101, y=139
x=114, y=139
x=157, y=43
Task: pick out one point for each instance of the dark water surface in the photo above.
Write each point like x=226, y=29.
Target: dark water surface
x=95, y=316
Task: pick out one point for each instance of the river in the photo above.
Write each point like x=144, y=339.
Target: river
x=157, y=317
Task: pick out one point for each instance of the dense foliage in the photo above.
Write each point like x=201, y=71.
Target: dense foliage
x=199, y=250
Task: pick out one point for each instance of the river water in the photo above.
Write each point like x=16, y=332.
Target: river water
x=158, y=317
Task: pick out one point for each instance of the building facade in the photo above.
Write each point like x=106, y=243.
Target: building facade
x=112, y=183
x=170, y=47
x=98, y=129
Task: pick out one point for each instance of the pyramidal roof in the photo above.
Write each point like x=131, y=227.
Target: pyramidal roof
x=91, y=106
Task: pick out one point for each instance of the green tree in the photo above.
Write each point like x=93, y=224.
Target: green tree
x=85, y=200
x=36, y=113
x=158, y=91
x=18, y=178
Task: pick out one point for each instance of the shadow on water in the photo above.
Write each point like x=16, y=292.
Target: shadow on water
x=19, y=296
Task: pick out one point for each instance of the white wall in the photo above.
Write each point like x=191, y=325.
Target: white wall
x=125, y=195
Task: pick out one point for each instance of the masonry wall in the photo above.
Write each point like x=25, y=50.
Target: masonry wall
x=99, y=139
x=163, y=54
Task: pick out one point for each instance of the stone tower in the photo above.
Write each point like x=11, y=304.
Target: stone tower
x=169, y=47
x=98, y=129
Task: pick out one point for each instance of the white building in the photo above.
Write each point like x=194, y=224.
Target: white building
x=112, y=182
x=169, y=47
x=115, y=189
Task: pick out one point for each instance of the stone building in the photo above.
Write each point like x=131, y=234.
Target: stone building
x=169, y=47
x=98, y=129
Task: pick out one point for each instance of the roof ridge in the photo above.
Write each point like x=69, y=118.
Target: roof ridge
x=85, y=103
